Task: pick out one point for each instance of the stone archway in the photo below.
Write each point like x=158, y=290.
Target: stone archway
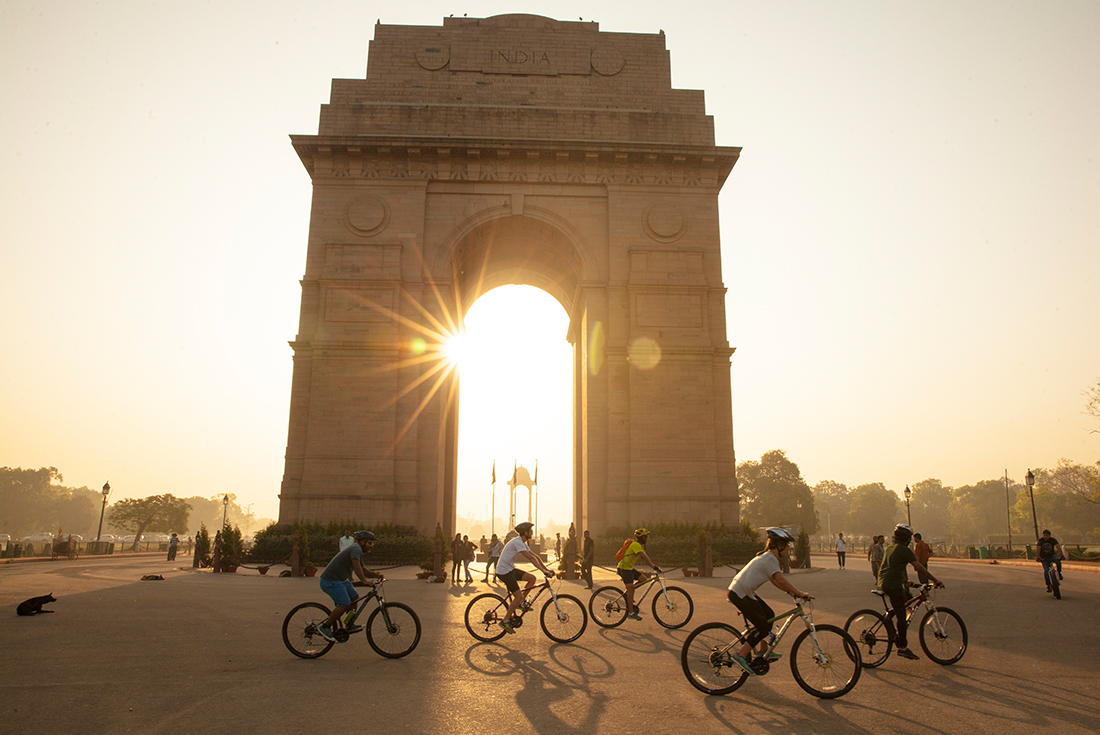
x=512, y=149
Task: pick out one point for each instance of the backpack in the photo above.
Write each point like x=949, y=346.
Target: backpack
x=622, y=552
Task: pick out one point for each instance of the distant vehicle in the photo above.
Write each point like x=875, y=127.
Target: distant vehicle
x=38, y=538
x=130, y=539
x=5, y=538
x=108, y=538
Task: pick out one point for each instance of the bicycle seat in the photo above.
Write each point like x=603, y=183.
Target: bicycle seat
x=878, y=592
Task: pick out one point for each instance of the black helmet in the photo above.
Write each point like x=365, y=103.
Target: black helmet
x=524, y=527
x=781, y=535
x=368, y=535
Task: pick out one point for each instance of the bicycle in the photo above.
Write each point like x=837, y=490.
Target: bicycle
x=672, y=606
x=942, y=632
x=1050, y=573
x=824, y=659
x=393, y=629
x=562, y=618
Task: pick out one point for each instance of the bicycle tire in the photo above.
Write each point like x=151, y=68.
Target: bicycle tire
x=483, y=616
x=949, y=646
x=567, y=627
x=1055, y=585
x=608, y=607
x=675, y=608
x=707, y=659
x=837, y=673
x=300, y=632
x=397, y=639
x=868, y=629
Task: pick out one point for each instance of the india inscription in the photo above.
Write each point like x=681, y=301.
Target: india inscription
x=492, y=151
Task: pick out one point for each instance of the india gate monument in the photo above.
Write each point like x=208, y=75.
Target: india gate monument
x=514, y=149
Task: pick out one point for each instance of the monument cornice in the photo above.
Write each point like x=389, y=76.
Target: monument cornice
x=433, y=158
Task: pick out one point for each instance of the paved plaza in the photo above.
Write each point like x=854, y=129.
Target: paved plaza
x=202, y=653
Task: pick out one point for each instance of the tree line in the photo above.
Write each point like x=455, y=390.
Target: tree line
x=1067, y=501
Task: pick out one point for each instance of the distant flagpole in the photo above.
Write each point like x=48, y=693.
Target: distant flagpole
x=536, y=493
x=493, y=513
x=512, y=497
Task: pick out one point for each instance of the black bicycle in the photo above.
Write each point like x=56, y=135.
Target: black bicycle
x=942, y=632
x=562, y=618
x=393, y=629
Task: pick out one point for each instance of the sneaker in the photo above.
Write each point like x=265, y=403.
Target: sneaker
x=326, y=633
x=743, y=664
x=773, y=656
x=353, y=629
x=634, y=616
x=1048, y=588
x=507, y=627
x=906, y=653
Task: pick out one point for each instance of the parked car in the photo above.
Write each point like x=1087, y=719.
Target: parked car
x=38, y=538
x=5, y=538
x=109, y=538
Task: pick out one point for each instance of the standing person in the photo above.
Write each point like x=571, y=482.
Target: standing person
x=588, y=555
x=841, y=547
x=874, y=554
x=468, y=547
x=632, y=576
x=1049, y=554
x=923, y=553
x=336, y=581
x=346, y=540
x=742, y=592
x=173, y=545
x=190, y=545
x=893, y=579
x=514, y=551
x=456, y=557
x=557, y=547
x=495, y=547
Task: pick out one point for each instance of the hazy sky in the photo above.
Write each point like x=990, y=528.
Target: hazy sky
x=911, y=240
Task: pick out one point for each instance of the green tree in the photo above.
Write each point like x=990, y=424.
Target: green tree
x=930, y=507
x=1092, y=405
x=775, y=494
x=27, y=497
x=874, y=510
x=162, y=513
x=1079, y=480
x=979, y=510
x=832, y=501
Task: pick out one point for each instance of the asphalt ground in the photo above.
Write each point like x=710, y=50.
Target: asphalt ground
x=203, y=653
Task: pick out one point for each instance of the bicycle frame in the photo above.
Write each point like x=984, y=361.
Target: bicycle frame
x=361, y=604
x=796, y=611
x=914, y=603
x=529, y=600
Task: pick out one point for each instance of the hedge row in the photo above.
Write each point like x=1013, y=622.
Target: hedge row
x=319, y=543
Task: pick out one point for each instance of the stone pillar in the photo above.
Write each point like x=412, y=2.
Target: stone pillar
x=708, y=559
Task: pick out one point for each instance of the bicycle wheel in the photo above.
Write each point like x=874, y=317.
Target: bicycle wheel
x=608, y=607
x=830, y=669
x=943, y=635
x=673, y=608
x=868, y=629
x=399, y=637
x=707, y=659
x=1055, y=585
x=567, y=625
x=483, y=616
x=300, y=632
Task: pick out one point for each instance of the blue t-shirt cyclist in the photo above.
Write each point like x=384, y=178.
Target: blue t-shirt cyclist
x=336, y=580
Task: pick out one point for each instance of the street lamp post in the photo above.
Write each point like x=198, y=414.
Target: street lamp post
x=908, y=517
x=1034, y=518
x=225, y=506
x=106, y=492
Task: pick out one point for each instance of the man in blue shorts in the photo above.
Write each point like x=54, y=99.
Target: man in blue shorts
x=336, y=580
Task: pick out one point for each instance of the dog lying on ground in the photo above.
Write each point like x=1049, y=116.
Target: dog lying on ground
x=34, y=605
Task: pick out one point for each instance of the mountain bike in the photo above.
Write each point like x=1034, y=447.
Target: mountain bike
x=562, y=618
x=672, y=606
x=942, y=632
x=824, y=659
x=393, y=629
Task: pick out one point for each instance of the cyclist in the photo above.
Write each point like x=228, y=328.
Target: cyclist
x=893, y=579
x=631, y=576
x=742, y=592
x=336, y=580
x=515, y=550
x=1049, y=554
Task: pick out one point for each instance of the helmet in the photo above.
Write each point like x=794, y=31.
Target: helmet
x=781, y=535
x=361, y=535
x=524, y=527
x=904, y=530
x=639, y=532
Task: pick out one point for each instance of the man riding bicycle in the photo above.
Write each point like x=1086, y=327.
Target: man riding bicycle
x=515, y=550
x=336, y=581
x=1049, y=553
x=893, y=579
x=632, y=577
x=742, y=591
